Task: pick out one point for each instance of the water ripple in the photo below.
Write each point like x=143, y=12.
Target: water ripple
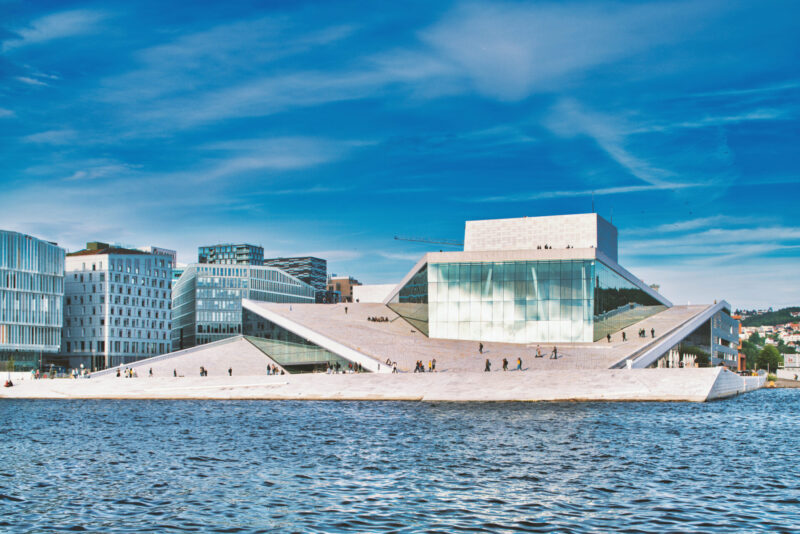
x=229, y=467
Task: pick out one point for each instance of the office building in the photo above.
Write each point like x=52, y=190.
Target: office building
x=207, y=299
x=117, y=305
x=312, y=271
x=31, y=300
x=229, y=254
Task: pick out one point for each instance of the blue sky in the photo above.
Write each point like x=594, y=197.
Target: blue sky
x=329, y=127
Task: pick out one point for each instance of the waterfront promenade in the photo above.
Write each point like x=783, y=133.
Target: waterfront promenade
x=694, y=384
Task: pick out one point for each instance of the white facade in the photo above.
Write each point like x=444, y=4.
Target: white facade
x=117, y=307
x=372, y=293
x=584, y=230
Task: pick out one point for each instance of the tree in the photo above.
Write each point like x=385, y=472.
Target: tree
x=769, y=358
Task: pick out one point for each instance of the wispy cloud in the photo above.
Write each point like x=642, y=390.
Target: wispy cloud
x=509, y=51
x=31, y=81
x=52, y=137
x=55, y=26
x=787, y=86
x=690, y=224
x=603, y=191
x=276, y=153
x=569, y=119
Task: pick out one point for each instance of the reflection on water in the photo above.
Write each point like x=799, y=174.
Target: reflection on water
x=209, y=466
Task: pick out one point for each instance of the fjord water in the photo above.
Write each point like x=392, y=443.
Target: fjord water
x=216, y=466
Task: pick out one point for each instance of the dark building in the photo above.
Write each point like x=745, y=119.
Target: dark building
x=242, y=254
x=312, y=271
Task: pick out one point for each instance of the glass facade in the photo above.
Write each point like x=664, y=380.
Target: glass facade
x=618, y=303
x=522, y=301
x=207, y=299
x=290, y=351
x=31, y=300
x=515, y=302
x=411, y=302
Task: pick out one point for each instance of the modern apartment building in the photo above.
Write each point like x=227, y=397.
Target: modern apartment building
x=313, y=271
x=117, y=305
x=230, y=254
x=207, y=299
x=31, y=300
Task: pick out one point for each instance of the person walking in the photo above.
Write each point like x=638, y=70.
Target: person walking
x=519, y=363
x=505, y=364
x=554, y=353
x=488, y=367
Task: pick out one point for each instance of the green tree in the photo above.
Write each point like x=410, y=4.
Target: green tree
x=769, y=358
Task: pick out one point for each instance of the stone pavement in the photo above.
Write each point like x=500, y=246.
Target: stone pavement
x=400, y=342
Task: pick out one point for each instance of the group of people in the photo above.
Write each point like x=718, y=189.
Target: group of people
x=488, y=367
x=643, y=332
x=553, y=353
x=273, y=370
x=420, y=366
x=336, y=368
x=378, y=319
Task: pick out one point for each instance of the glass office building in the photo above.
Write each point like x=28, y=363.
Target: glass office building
x=31, y=300
x=313, y=271
x=523, y=301
x=207, y=299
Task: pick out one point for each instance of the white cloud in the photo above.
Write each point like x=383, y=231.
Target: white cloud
x=539, y=195
x=55, y=26
x=510, y=51
x=31, y=81
x=52, y=137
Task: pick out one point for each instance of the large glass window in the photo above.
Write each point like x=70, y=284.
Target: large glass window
x=411, y=302
x=515, y=302
x=292, y=352
x=618, y=303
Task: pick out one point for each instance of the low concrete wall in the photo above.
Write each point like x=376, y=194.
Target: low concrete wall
x=729, y=384
x=788, y=374
x=696, y=385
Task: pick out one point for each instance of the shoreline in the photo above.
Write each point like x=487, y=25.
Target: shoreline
x=623, y=385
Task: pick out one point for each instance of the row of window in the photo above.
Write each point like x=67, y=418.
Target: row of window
x=96, y=332
x=21, y=252
x=24, y=281
x=19, y=336
x=126, y=347
x=30, y=308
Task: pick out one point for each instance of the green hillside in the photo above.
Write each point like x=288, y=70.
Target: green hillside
x=773, y=318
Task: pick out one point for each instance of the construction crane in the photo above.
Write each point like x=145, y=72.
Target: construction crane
x=445, y=242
